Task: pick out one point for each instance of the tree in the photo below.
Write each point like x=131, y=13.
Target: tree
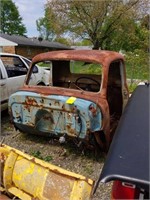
x=46, y=25
x=128, y=37
x=97, y=21
x=11, y=21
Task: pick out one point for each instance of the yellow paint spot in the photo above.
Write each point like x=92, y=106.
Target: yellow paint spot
x=71, y=100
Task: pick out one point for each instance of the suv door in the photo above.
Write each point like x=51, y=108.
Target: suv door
x=16, y=71
x=3, y=83
x=3, y=87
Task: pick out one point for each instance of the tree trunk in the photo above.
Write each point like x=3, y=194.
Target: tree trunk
x=96, y=45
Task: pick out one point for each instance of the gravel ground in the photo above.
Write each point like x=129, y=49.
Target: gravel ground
x=67, y=156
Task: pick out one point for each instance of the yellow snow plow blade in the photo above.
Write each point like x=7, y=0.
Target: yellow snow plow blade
x=28, y=178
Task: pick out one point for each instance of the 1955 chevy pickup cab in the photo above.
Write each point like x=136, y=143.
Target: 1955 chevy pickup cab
x=85, y=98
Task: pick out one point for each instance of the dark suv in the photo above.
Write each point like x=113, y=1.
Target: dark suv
x=128, y=159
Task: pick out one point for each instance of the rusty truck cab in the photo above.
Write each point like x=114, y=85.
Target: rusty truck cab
x=86, y=95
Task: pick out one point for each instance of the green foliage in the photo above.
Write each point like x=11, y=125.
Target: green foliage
x=11, y=21
x=137, y=68
x=88, y=169
x=132, y=87
x=37, y=154
x=85, y=68
x=45, y=25
x=63, y=41
x=113, y=25
x=137, y=65
x=106, y=24
x=84, y=42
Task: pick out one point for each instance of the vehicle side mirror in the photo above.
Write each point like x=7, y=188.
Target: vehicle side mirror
x=35, y=69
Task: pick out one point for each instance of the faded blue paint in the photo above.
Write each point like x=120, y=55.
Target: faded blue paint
x=52, y=115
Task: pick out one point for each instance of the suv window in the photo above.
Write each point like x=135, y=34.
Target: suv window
x=27, y=61
x=14, y=66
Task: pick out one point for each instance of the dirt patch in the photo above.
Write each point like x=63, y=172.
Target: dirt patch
x=66, y=155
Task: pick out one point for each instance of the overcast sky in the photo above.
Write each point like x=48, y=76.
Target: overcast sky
x=30, y=11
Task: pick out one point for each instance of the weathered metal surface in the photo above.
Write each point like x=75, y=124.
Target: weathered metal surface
x=29, y=178
x=4, y=197
x=103, y=57
x=55, y=114
x=45, y=109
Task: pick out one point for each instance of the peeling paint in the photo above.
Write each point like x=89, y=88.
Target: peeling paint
x=61, y=110
x=29, y=178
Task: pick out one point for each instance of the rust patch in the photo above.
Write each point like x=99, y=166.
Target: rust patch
x=49, y=118
x=30, y=101
x=56, y=103
x=69, y=116
x=102, y=57
x=70, y=130
x=57, y=187
x=4, y=197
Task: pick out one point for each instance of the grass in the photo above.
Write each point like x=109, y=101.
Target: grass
x=88, y=169
x=37, y=154
x=85, y=68
x=137, y=73
x=132, y=87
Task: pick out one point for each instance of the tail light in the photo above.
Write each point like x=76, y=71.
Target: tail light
x=122, y=190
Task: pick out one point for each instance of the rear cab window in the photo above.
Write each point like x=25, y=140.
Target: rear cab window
x=74, y=74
